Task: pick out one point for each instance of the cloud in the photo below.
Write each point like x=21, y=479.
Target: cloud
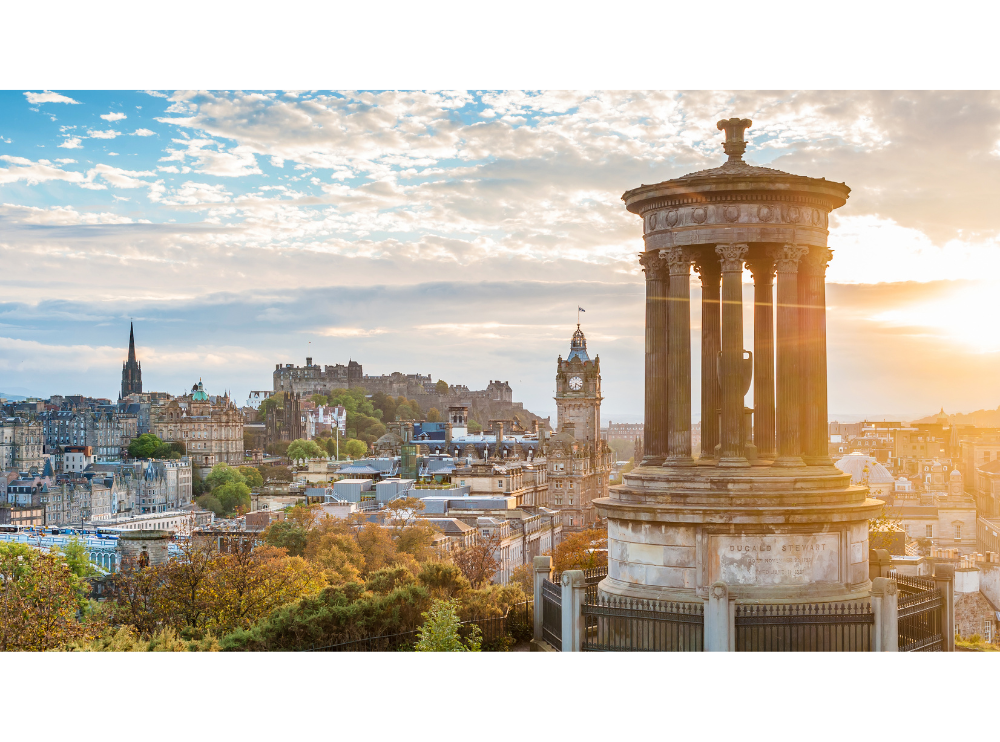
x=66, y=161
x=41, y=171
x=71, y=143
x=115, y=116
x=238, y=161
x=143, y=133
x=48, y=97
x=352, y=332
x=107, y=134
x=155, y=93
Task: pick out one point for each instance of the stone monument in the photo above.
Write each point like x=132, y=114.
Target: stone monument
x=761, y=506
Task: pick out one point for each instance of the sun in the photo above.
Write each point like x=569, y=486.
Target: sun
x=969, y=316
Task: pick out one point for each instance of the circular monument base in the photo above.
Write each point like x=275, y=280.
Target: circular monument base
x=772, y=534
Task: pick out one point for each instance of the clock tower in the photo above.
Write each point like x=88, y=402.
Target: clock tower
x=578, y=392
x=579, y=462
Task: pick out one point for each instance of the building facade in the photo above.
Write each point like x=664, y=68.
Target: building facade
x=21, y=443
x=211, y=428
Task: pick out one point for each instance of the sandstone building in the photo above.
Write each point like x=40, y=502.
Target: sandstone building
x=210, y=427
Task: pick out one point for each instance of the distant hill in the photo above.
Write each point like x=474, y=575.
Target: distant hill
x=979, y=418
x=12, y=397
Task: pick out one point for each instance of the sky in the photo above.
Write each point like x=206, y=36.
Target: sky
x=456, y=233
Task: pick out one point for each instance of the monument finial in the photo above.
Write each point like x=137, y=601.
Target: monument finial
x=734, y=145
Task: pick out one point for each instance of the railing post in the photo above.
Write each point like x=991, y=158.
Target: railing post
x=885, y=606
x=574, y=592
x=717, y=619
x=543, y=568
x=944, y=580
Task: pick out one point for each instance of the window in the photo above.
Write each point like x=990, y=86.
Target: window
x=930, y=531
x=958, y=531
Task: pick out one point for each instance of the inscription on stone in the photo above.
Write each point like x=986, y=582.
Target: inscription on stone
x=774, y=559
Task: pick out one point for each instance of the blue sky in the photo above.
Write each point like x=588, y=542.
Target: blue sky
x=454, y=233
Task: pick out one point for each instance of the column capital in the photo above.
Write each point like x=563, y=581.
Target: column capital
x=761, y=267
x=708, y=267
x=817, y=258
x=652, y=263
x=678, y=260
x=731, y=256
x=786, y=258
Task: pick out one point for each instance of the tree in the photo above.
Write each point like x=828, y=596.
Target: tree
x=40, y=599
x=478, y=562
x=385, y=404
x=233, y=497
x=474, y=427
x=253, y=477
x=319, y=399
x=287, y=535
x=354, y=448
x=441, y=387
x=440, y=631
x=433, y=415
x=301, y=449
x=584, y=550
x=405, y=412
x=144, y=446
x=224, y=474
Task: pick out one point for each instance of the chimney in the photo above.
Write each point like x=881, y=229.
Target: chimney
x=309, y=361
x=447, y=435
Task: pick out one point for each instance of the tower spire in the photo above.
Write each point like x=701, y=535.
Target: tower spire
x=131, y=343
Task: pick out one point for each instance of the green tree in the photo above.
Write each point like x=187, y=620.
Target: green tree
x=252, y=476
x=232, y=496
x=441, y=387
x=405, y=412
x=210, y=502
x=353, y=448
x=144, y=446
x=474, y=427
x=385, y=404
x=275, y=473
x=224, y=474
x=433, y=415
x=288, y=535
x=440, y=631
x=301, y=449
x=319, y=399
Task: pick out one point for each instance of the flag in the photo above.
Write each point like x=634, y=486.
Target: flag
x=580, y=309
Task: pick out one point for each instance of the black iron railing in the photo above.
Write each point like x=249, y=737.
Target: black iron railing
x=911, y=585
x=552, y=613
x=625, y=625
x=921, y=621
x=812, y=627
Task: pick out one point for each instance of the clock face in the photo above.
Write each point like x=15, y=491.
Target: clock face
x=576, y=383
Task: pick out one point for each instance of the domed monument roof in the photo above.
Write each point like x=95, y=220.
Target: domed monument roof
x=198, y=393
x=855, y=465
x=388, y=440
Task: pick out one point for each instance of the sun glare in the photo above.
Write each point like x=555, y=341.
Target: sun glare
x=968, y=316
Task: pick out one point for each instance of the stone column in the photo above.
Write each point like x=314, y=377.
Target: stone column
x=885, y=607
x=786, y=260
x=717, y=619
x=762, y=268
x=944, y=580
x=710, y=271
x=812, y=325
x=678, y=357
x=654, y=438
x=542, y=569
x=574, y=592
x=731, y=453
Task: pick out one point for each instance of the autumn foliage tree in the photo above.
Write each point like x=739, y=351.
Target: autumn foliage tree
x=479, y=562
x=40, y=601
x=584, y=550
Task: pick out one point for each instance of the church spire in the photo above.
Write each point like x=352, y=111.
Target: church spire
x=131, y=370
x=131, y=344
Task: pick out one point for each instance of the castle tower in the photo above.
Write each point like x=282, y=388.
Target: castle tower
x=131, y=369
